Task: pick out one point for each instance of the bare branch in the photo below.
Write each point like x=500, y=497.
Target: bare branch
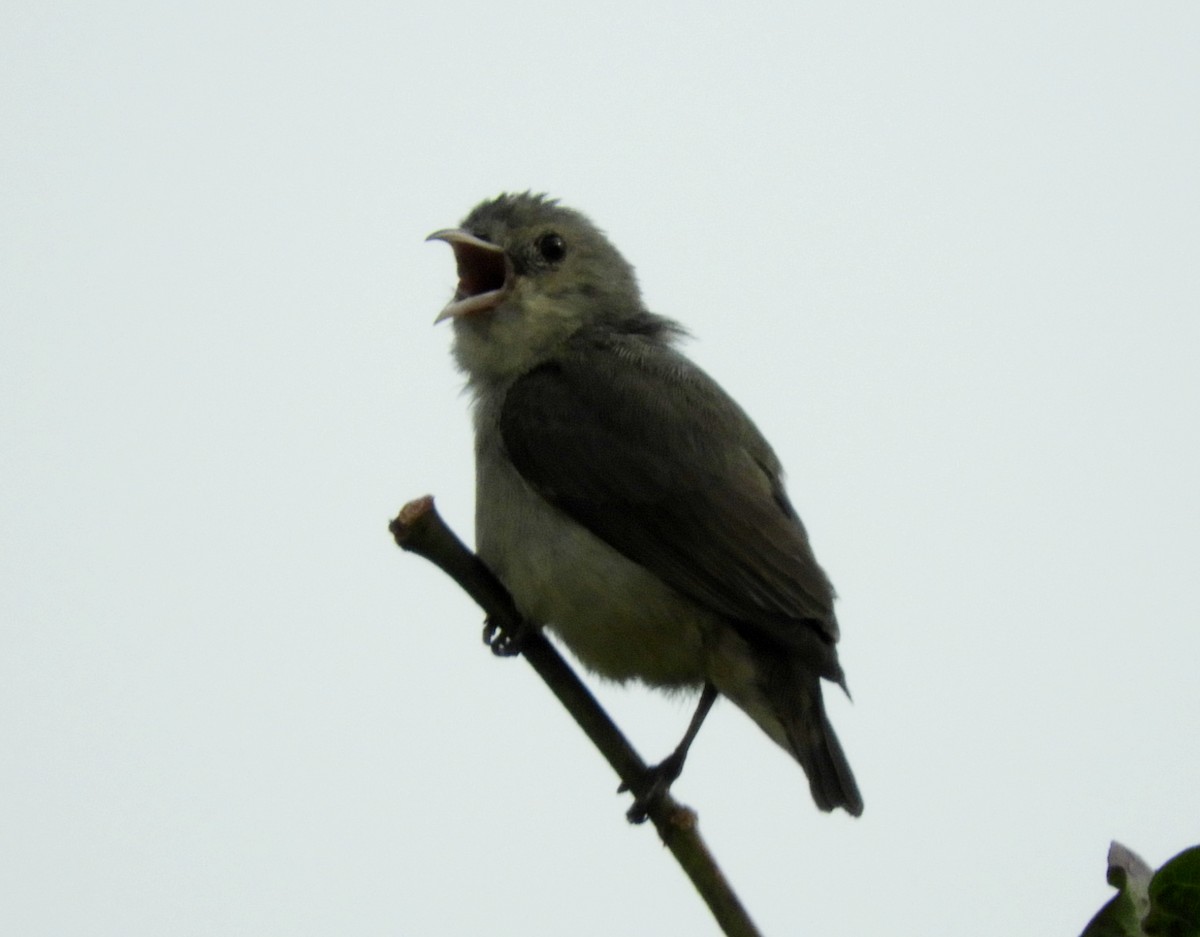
x=420, y=529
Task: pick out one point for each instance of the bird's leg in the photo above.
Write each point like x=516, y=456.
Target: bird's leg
x=661, y=776
x=505, y=643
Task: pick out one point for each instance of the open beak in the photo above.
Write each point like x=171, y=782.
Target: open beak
x=485, y=274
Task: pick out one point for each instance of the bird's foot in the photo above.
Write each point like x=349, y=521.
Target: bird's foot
x=656, y=782
x=505, y=643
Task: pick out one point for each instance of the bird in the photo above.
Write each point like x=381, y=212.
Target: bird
x=625, y=500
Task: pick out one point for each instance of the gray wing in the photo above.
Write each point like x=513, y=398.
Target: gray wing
x=651, y=456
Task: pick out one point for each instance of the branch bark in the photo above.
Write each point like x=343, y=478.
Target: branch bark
x=420, y=529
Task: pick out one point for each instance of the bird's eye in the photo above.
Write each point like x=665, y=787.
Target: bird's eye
x=552, y=248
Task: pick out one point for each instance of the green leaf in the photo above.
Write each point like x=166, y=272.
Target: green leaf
x=1122, y=916
x=1175, y=897
x=1150, y=904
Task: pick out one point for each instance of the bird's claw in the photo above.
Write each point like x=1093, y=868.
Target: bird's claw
x=656, y=782
x=504, y=643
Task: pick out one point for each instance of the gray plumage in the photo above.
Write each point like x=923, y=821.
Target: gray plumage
x=625, y=500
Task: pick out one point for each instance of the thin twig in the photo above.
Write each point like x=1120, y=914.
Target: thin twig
x=420, y=529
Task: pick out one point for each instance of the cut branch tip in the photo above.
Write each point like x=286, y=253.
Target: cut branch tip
x=405, y=524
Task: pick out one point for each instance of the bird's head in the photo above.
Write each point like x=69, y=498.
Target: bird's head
x=531, y=274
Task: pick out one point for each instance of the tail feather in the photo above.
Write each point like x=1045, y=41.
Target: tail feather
x=815, y=745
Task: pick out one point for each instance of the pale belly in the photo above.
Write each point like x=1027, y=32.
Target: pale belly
x=620, y=621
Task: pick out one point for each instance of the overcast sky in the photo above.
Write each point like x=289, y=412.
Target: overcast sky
x=946, y=256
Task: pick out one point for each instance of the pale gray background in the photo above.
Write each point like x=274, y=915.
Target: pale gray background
x=945, y=253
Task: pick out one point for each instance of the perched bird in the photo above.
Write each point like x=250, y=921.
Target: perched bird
x=624, y=499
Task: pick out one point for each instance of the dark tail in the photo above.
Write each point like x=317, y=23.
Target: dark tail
x=801, y=709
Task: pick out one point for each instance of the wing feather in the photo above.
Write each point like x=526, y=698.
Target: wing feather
x=643, y=449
